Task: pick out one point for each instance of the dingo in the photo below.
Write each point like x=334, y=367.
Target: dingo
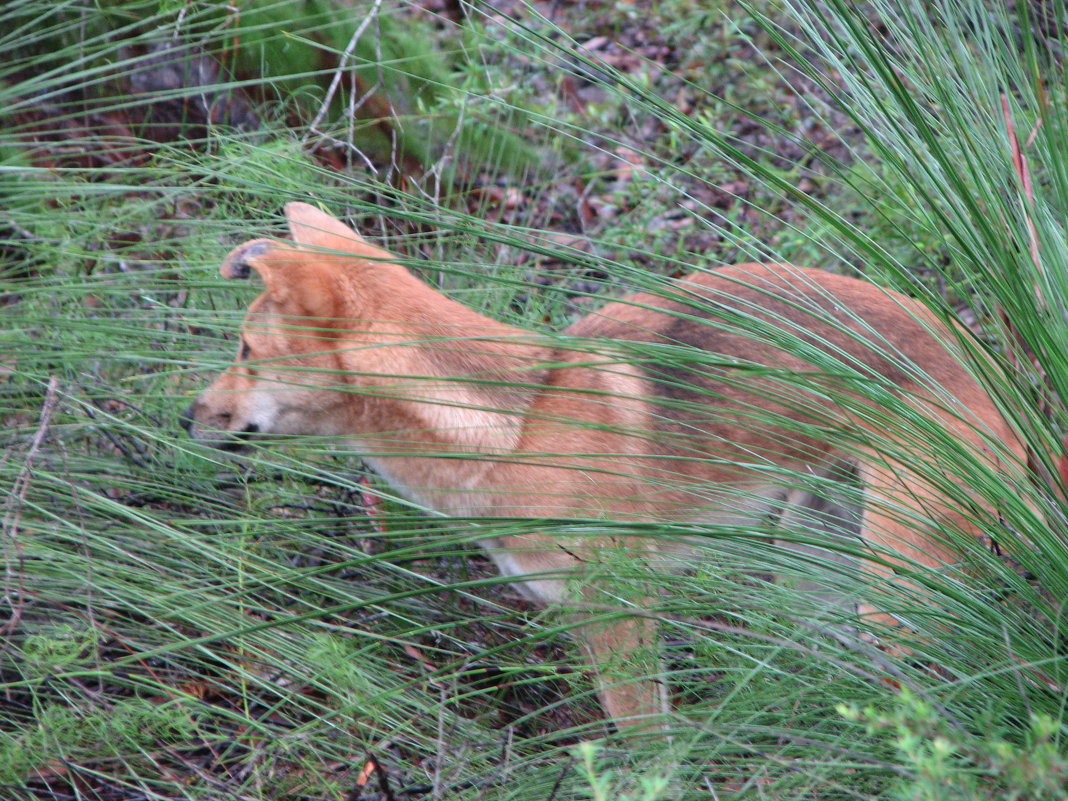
x=473, y=417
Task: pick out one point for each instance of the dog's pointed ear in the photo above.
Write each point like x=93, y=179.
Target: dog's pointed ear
x=296, y=283
x=316, y=229
x=243, y=259
x=274, y=262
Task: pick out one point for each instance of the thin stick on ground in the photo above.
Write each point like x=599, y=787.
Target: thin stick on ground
x=14, y=590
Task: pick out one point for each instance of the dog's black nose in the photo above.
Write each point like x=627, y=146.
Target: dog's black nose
x=186, y=418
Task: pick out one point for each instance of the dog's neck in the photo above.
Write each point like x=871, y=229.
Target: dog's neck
x=436, y=378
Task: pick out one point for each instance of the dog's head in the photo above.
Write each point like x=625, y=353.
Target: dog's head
x=288, y=370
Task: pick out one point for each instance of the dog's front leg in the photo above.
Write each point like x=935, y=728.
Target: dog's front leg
x=620, y=641
x=624, y=650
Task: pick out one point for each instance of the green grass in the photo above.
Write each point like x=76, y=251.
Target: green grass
x=181, y=625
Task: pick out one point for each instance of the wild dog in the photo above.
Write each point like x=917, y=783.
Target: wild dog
x=472, y=417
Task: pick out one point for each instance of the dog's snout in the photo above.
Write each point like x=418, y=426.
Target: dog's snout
x=237, y=441
x=188, y=417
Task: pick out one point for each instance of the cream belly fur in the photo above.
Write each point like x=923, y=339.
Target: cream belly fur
x=472, y=417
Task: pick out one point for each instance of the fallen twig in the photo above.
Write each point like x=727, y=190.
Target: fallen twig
x=13, y=574
x=345, y=56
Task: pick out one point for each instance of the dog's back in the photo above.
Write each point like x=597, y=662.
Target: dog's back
x=731, y=377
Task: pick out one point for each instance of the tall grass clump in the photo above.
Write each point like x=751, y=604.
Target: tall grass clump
x=178, y=624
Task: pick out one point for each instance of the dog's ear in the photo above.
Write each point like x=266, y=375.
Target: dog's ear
x=317, y=230
x=314, y=228
x=309, y=227
x=296, y=284
x=245, y=258
x=302, y=277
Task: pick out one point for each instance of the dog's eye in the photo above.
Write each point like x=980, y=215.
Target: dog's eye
x=245, y=352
